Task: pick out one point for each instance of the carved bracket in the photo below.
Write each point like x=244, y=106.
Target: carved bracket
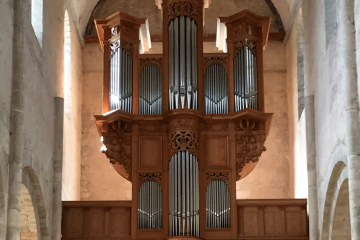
x=117, y=145
x=151, y=61
x=217, y=177
x=182, y=8
x=145, y=177
x=127, y=47
x=183, y=141
x=249, y=143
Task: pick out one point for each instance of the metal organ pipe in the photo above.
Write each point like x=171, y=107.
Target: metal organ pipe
x=216, y=89
x=182, y=63
x=150, y=206
x=217, y=205
x=121, y=78
x=184, y=195
x=150, y=90
x=245, y=77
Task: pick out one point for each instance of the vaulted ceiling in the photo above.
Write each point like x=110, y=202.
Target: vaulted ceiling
x=83, y=10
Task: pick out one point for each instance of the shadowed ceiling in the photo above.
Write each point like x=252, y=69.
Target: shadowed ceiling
x=86, y=10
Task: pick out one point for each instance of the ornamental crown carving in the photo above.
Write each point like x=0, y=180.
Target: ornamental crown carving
x=239, y=45
x=182, y=8
x=151, y=61
x=217, y=177
x=215, y=60
x=183, y=141
x=145, y=177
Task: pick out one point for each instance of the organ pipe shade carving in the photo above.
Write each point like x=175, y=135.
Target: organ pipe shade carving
x=245, y=79
x=121, y=78
x=183, y=91
x=150, y=206
x=184, y=195
x=216, y=89
x=150, y=90
x=217, y=205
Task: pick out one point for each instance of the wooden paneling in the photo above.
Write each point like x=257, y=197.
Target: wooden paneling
x=217, y=151
x=150, y=151
x=96, y=220
x=272, y=219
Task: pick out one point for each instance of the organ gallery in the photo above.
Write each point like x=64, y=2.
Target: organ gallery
x=183, y=126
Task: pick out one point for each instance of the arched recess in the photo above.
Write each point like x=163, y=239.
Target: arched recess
x=28, y=225
x=336, y=182
x=341, y=219
x=31, y=182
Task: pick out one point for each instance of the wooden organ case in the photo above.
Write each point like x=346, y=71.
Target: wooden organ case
x=183, y=126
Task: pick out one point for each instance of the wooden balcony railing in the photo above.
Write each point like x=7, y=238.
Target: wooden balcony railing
x=96, y=220
x=277, y=219
x=272, y=219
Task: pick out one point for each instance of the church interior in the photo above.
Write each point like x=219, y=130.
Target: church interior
x=179, y=119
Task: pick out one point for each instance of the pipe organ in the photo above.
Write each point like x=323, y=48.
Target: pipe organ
x=183, y=126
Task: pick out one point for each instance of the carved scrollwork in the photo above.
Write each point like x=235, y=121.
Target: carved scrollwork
x=150, y=61
x=114, y=47
x=245, y=42
x=182, y=8
x=215, y=60
x=249, y=143
x=145, y=177
x=117, y=146
x=183, y=141
x=217, y=177
x=127, y=47
x=114, y=31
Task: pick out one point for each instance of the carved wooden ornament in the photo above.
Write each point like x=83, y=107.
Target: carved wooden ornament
x=145, y=177
x=249, y=143
x=150, y=61
x=183, y=141
x=182, y=8
x=117, y=147
x=217, y=177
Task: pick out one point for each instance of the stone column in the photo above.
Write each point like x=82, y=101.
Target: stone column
x=58, y=161
x=17, y=121
x=310, y=131
x=348, y=68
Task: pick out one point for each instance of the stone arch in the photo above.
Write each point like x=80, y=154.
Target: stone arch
x=32, y=183
x=341, y=228
x=337, y=178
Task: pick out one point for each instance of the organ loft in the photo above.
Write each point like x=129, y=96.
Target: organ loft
x=183, y=126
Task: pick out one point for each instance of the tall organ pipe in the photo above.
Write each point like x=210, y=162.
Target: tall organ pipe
x=150, y=90
x=182, y=63
x=121, y=78
x=216, y=89
x=150, y=206
x=245, y=77
x=184, y=195
x=217, y=205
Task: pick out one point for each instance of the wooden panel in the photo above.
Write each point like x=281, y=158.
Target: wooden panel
x=74, y=222
x=150, y=151
x=294, y=221
x=216, y=151
x=274, y=221
x=251, y=221
x=97, y=220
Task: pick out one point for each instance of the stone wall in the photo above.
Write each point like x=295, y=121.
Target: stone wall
x=325, y=80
